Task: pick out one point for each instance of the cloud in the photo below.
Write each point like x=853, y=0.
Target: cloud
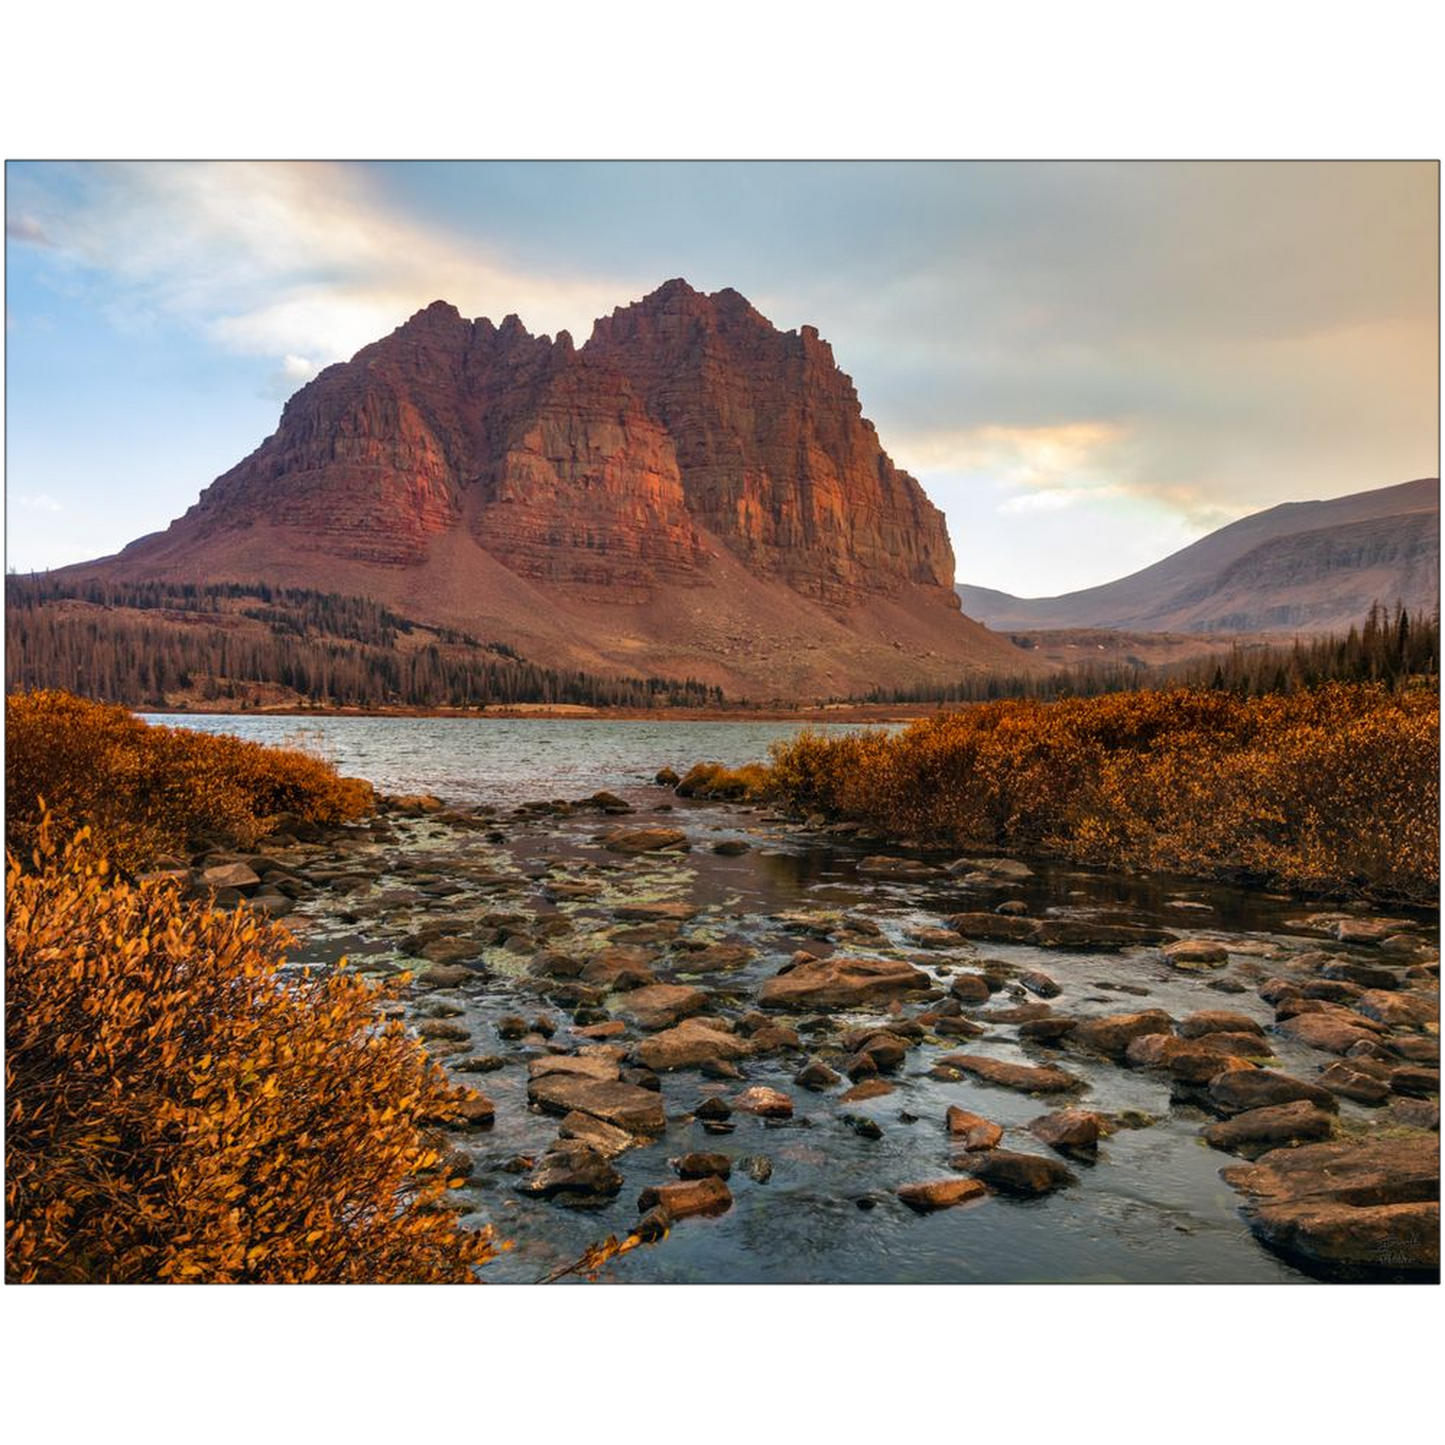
x=37, y=502
x=26, y=229
x=285, y=261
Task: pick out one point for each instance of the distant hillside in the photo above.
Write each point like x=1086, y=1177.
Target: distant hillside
x=1301, y=567
x=228, y=646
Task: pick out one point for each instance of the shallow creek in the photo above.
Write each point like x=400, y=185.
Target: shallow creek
x=1150, y=1206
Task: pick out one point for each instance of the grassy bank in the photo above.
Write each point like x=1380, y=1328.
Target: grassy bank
x=1331, y=790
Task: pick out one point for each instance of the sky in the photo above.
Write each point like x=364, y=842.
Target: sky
x=1087, y=365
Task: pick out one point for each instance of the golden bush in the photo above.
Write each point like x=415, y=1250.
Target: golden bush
x=178, y=1110
x=146, y=790
x=1333, y=789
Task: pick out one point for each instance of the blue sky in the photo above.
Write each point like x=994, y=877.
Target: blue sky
x=1087, y=365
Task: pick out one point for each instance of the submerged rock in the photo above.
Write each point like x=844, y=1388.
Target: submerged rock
x=1026, y=1078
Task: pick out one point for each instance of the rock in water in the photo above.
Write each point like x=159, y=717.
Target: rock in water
x=935, y=1194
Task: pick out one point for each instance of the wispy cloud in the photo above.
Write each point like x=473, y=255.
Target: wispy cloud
x=27, y=230
x=37, y=502
x=290, y=262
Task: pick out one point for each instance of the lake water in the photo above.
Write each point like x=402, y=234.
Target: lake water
x=505, y=760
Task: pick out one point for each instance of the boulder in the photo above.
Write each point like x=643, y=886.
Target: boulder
x=572, y=1171
x=1371, y=1204
x=971, y=1130
x=1070, y=1131
x=1026, y=1175
x=702, y=1166
x=816, y=1075
x=1085, y=934
x=1195, y=955
x=1112, y=1034
x=1237, y=1093
x=660, y=1005
x=969, y=988
x=1040, y=984
x=689, y=1044
x=1350, y=1081
x=709, y=1195
x=764, y=1102
x=1275, y=1124
x=582, y=1066
x=934, y=1194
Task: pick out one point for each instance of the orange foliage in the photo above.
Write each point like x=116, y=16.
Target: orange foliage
x=1334, y=789
x=145, y=791
x=177, y=1111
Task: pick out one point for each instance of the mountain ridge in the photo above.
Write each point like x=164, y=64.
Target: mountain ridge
x=693, y=492
x=1310, y=566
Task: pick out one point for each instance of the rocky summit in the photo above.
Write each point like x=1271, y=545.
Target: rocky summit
x=693, y=492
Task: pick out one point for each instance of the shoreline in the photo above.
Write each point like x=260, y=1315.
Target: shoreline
x=879, y=713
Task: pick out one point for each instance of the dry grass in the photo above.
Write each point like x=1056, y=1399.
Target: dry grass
x=1331, y=790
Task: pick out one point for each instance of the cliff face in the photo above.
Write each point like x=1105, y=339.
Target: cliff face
x=777, y=459
x=703, y=484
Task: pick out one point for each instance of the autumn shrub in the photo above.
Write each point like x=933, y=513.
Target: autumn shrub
x=714, y=780
x=145, y=790
x=1331, y=789
x=178, y=1110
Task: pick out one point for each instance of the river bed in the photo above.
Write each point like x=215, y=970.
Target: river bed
x=812, y=1197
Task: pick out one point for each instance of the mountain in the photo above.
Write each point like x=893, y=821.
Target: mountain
x=1300, y=567
x=693, y=493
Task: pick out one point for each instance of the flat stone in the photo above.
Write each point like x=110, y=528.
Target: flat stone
x=583, y=1066
x=842, y=983
x=231, y=875
x=604, y=1138
x=901, y=868
x=993, y=927
x=624, y=1105
x=1040, y=984
x=1026, y=1078
x=643, y=840
x=661, y=912
x=1329, y=1031
x=1350, y=1081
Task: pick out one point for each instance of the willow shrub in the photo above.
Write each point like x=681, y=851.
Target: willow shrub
x=144, y=790
x=175, y=1111
x=1334, y=789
